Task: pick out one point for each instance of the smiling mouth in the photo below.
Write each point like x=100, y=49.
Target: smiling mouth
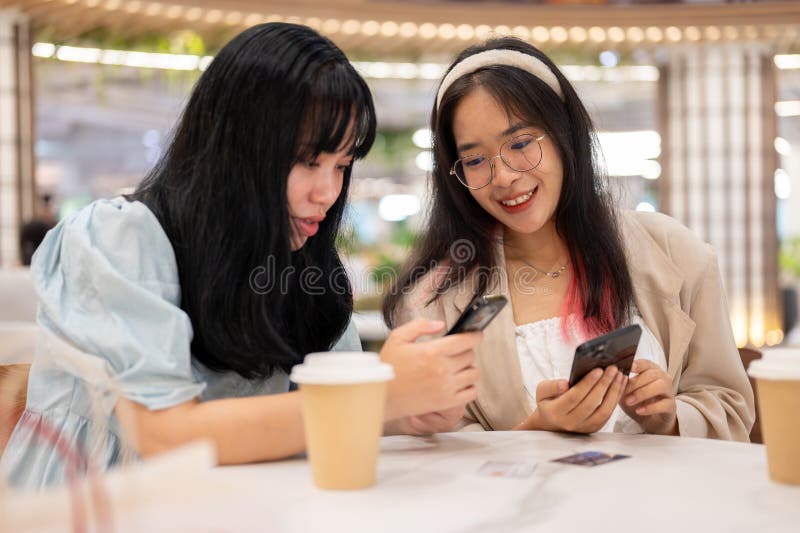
x=521, y=199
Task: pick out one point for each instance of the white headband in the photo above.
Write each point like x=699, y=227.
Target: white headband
x=510, y=58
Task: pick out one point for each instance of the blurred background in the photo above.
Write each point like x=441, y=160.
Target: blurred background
x=697, y=104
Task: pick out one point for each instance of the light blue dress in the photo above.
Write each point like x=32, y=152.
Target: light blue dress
x=107, y=283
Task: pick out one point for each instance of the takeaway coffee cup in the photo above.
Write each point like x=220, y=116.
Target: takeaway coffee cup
x=343, y=397
x=777, y=377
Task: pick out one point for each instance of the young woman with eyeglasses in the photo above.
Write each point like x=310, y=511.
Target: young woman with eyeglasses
x=520, y=208
x=191, y=293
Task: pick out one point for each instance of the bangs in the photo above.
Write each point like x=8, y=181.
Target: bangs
x=519, y=93
x=524, y=104
x=339, y=113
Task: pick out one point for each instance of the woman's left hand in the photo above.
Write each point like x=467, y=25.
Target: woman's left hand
x=436, y=422
x=649, y=400
x=428, y=423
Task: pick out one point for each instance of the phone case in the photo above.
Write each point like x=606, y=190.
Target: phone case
x=615, y=348
x=480, y=311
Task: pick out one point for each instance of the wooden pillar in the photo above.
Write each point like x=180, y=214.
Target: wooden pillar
x=718, y=124
x=17, y=176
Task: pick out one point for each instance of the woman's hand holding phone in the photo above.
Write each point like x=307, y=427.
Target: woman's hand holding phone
x=649, y=399
x=435, y=375
x=583, y=408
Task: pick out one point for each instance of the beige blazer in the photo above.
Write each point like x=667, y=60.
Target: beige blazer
x=678, y=293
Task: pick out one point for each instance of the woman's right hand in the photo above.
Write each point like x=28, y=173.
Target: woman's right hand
x=583, y=408
x=434, y=375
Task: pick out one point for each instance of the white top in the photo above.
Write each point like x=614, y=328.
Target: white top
x=544, y=354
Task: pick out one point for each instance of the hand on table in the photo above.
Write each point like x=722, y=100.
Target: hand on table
x=428, y=423
x=649, y=399
x=583, y=408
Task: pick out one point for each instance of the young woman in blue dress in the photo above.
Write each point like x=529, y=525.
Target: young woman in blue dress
x=198, y=293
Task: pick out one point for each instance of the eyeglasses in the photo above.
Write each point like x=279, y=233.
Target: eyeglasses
x=521, y=154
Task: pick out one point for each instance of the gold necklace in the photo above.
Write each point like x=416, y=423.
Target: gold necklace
x=552, y=275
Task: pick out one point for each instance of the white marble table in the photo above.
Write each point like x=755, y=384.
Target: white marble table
x=668, y=484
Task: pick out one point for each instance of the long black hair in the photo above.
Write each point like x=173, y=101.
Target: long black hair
x=275, y=95
x=601, y=290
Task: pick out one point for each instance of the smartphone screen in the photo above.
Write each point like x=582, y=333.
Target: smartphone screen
x=615, y=348
x=480, y=311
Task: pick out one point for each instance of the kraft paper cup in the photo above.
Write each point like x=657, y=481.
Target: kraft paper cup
x=777, y=377
x=343, y=397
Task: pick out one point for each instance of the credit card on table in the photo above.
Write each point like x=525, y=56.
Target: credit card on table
x=590, y=458
x=506, y=469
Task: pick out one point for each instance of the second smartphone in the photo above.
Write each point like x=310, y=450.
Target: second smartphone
x=480, y=311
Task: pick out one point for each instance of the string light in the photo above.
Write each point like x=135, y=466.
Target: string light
x=559, y=34
x=673, y=34
x=389, y=29
x=597, y=34
x=351, y=27
x=331, y=26
x=153, y=9
x=654, y=34
x=193, y=13
x=428, y=30
x=447, y=31
x=713, y=33
x=174, y=12
x=465, y=32
x=370, y=28
x=483, y=31
x=616, y=34
x=213, y=16
x=578, y=34
x=521, y=32
x=255, y=18
x=692, y=33
x=635, y=34
x=540, y=34
x=731, y=33
x=408, y=30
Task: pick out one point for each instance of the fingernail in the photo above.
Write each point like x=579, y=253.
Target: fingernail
x=640, y=411
x=563, y=386
x=619, y=378
x=437, y=324
x=630, y=400
x=597, y=373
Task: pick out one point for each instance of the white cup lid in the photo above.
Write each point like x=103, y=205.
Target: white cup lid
x=341, y=368
x=777, y=363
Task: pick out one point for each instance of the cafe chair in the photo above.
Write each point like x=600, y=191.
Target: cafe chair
x=749, y=355
x=17, y=346
x=13, y=395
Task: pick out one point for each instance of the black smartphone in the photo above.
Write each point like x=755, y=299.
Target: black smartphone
x=480, y=311
x=615, y=348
